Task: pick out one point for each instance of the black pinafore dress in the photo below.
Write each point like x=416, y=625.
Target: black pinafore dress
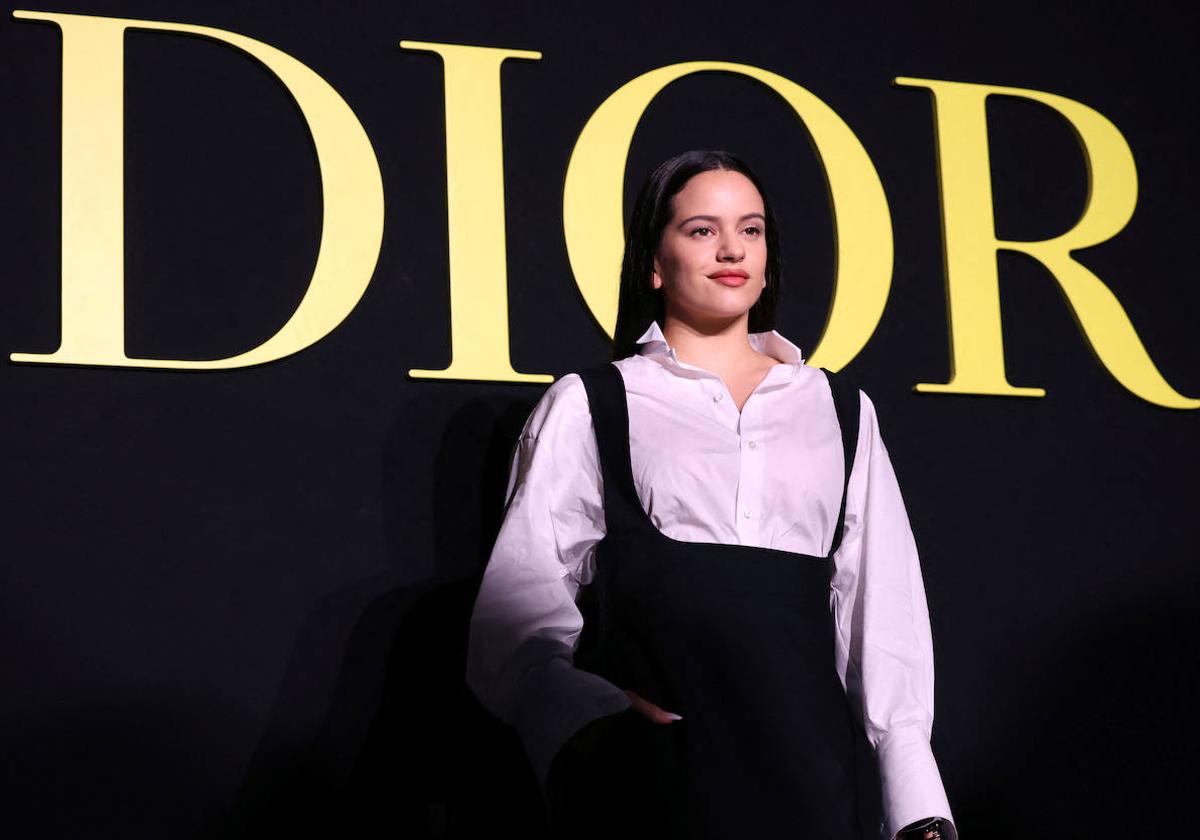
x=738, y=640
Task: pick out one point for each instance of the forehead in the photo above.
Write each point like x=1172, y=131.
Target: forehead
x=718, y=191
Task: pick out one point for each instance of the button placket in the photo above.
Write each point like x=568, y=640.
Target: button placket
x=722, y=406
x=750, y=476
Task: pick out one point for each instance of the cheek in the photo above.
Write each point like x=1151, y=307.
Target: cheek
x=680, y=265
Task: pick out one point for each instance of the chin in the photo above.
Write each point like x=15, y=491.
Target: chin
x=717, y=315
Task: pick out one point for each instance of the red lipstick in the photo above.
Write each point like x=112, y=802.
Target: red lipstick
x=730, y=277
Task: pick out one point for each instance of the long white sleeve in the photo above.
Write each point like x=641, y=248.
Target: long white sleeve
x=884, y=647
x=525, y=625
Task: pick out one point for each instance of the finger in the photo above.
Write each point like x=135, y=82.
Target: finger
x=652, y=710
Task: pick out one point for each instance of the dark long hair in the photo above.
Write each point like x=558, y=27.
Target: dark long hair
x=639, y=302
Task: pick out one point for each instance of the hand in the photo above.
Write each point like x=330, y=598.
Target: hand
x=653, y=712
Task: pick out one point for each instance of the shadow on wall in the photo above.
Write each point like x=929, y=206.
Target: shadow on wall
x=374, y=732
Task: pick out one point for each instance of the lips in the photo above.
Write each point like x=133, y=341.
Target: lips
x=730, y=277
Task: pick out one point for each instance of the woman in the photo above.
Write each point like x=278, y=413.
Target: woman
x=729, y=518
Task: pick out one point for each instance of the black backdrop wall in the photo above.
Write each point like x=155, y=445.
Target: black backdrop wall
x=235, y=601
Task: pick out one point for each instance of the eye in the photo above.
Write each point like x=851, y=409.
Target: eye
x=697, y=230
x=754, y=230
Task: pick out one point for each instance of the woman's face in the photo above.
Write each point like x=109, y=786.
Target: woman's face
x=712, y=259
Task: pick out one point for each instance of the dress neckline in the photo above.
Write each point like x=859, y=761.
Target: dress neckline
x=622, y=470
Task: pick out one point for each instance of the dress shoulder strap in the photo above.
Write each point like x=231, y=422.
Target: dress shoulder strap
x=610, y=418
x=609, y=406
x=847, y=404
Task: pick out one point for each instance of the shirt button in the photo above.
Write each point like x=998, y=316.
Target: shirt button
x=746, y=513
x=718, y=397
x=753, y=445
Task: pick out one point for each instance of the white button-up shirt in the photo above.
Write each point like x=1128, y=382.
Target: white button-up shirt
x=768, y=476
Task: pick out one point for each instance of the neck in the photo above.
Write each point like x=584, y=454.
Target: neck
x=716, y=345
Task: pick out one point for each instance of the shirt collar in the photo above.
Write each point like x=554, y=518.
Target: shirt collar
x=769, y=342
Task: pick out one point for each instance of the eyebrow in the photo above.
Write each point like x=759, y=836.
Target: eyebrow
x=715, y=219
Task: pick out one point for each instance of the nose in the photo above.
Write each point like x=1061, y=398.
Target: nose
x=730, y=248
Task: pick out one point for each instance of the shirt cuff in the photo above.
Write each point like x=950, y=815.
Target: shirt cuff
x=910, y=782
x=556, y=700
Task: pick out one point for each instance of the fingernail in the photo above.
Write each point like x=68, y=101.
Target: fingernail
x=674, y=716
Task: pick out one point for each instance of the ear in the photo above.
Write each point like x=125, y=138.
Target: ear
x=656, y=278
